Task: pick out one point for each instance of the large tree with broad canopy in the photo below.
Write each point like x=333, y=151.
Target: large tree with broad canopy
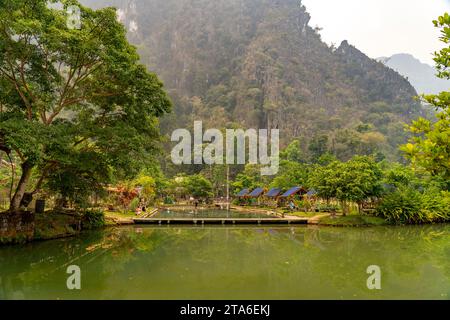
x=75, y=103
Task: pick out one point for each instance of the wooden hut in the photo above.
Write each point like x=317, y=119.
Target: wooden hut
x=271, y=197
x=256, y=195
x=291, y=194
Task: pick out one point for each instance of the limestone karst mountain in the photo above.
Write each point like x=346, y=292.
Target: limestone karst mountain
x=258, y=63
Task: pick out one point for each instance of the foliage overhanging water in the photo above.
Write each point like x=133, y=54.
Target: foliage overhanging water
x=233, y=263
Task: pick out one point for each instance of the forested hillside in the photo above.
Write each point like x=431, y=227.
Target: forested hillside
x=259, y=64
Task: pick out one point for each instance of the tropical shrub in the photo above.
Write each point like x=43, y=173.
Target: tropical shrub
x=402, y=205
x=169, y=200
x=436, y=205
x=327, y=207
x=93, y=219
x=134, y=204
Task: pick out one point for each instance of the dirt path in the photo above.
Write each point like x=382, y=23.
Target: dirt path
x=316, y=219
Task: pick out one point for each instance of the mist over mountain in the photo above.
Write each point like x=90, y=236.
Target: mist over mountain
x=258, y=64
x=421, y=75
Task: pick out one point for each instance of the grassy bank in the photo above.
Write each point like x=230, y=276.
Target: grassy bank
x=352, y=221
x=302, y=214
x=114, y=218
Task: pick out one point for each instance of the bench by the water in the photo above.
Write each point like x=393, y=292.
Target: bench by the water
x=201, y=221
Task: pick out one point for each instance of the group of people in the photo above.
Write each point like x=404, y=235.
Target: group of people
x=140, y=208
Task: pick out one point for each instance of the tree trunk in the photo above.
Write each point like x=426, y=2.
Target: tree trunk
x=27, y=167
x=344, y=208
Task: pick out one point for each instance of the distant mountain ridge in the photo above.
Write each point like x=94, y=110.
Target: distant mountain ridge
x=421, y=75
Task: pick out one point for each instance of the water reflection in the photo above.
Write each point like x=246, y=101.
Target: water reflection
x=209, y=213
x=233, y=263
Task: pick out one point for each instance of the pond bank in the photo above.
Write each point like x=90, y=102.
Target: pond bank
x=350, y=221
x=16, y=227
x=27, y=227
x=322, y=218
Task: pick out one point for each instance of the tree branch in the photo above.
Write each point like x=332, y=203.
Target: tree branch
x=13, y=172
x=44, y=174
x=21, y=156
x=21, y=94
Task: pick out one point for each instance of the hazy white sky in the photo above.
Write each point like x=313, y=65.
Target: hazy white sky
x=381, y=27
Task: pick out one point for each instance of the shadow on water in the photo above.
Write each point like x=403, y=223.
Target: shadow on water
x=233, y=263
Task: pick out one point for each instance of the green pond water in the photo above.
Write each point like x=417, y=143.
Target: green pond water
x=233, y=263
x=208, y=213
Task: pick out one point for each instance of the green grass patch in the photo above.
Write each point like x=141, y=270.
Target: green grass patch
x=352, y=221
x=120, y=214
x=303, y=214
